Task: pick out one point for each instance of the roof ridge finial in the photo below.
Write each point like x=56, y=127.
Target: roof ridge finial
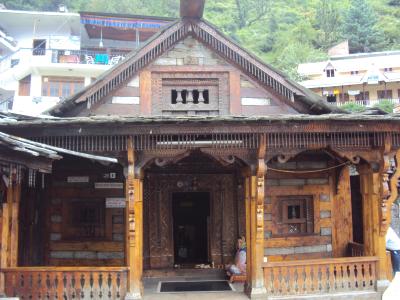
x=192, y=8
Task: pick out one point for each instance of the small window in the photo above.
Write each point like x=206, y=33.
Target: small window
x=385, y=94
x=195, y=96
x=297, y=215
x=388, y=69
x=330, y=73
x=84, y=219
x=61, y=86
x=39, y=47
x=354, y=72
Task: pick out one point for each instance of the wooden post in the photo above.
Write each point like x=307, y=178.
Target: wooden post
x=134, y=227
x=342, y=214
x=256, y=216
x=15, y=224
x=247, y=185
x=374, y=242
x=5, y=235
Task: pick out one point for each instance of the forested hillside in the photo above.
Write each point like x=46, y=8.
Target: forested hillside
x=282, y=32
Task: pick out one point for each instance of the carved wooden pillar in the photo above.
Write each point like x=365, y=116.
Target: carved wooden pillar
x=134, y=227
x=10, y=229
x=256, y=285
x=374, y=242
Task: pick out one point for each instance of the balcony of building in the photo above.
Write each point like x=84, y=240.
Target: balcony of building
x=367, y=102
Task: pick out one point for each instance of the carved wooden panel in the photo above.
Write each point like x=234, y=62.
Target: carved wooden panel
x=216, y=82
x=224, y=215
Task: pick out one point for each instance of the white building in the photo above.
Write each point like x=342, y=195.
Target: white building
x=47, y=56
x=365, y=78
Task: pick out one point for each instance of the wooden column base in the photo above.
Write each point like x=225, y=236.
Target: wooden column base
x=256, y=292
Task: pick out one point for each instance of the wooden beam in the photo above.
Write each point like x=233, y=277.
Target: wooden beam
x=145, y=92
x=15, y=225
x=235, y=104
x=134, y=227
x=342, y=215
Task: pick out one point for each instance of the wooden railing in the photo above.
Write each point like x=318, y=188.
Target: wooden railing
x=66, y=282
x=318, y=276
x=355, y=249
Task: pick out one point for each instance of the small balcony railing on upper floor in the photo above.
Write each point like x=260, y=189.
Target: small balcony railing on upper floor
x=366, y=102
x=60, y=56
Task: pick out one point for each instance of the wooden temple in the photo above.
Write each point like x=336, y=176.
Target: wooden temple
x=188, y=143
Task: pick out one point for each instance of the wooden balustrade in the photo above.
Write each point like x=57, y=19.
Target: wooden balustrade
x=66, y=282
x=319, y=276
x=355, y=249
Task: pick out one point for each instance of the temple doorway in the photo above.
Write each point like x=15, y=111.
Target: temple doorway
x=191, y=217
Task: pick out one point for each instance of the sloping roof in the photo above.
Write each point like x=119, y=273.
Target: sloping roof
x=37, y=155
x=354, y=62
x=268, y=77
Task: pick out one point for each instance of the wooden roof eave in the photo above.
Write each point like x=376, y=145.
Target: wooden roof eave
x=38, y=150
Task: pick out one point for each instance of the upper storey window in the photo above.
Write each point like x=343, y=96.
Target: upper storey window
x=330, y=72
x=195, y=96
x=190, y=96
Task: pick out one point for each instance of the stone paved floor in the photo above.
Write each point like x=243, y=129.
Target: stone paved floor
x=151, y=287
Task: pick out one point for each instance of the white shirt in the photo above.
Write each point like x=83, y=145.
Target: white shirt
x=392, y=240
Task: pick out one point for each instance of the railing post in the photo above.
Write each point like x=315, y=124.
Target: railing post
x=134, y=227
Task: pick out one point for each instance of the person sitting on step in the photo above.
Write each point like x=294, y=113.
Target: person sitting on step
x=239, y=266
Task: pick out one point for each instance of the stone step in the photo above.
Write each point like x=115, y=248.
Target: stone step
x=193, y=274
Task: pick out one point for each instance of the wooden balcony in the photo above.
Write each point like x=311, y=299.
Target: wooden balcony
x=66, y=282
x=320, y=276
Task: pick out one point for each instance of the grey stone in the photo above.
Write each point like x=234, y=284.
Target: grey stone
x=272, y=182
x=324, y=198
x=267, y=217
x=55, y=201
x=165, y=61
x=284, y=166
x=110, y=255
x=326, y=231
x=325, y=214
x=85, y=255
x=56, y=218
x=278, y=251
x=118, y=220
x=291, y=182
x=317, y=181
x=311, y=164
x=118, y=237
x=55, y=236
x=310, y=249
x=61, y=254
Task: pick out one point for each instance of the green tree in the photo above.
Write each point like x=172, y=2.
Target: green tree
x=328, y=23
x=360, y=28
x=250, y=11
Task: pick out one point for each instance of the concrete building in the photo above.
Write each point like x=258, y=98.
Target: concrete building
x=365, y=78
x=48, y=56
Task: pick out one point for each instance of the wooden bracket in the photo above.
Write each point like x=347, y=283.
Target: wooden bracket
x=388, y=189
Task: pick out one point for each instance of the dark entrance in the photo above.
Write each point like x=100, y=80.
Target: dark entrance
x=191, y=212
